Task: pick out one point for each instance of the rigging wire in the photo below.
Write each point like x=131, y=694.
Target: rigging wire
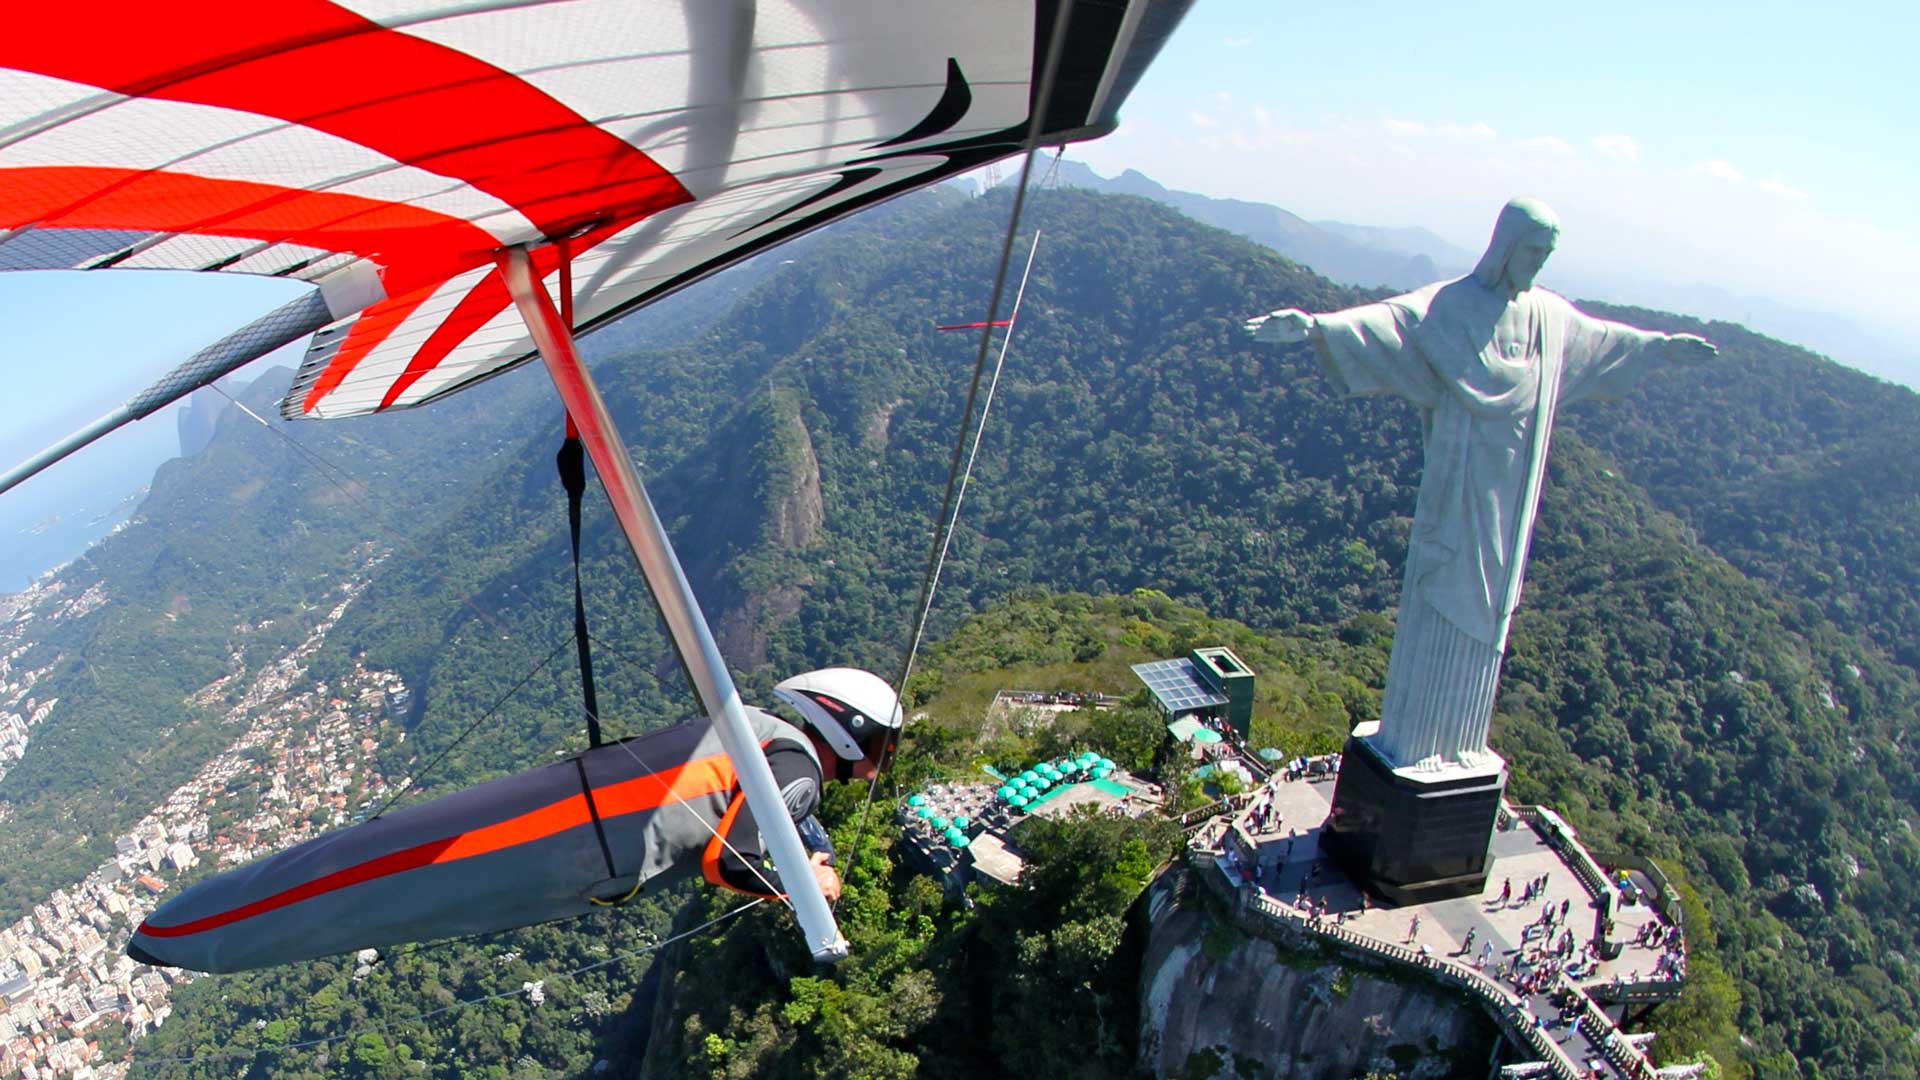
x=949, y=502
x=382, y=1025
x=414, y=778
x=346, y=483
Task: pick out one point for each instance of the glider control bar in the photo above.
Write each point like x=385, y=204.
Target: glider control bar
x=285, y=324
x=673, y=595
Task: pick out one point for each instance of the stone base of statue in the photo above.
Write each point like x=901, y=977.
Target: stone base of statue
x=1409, y=835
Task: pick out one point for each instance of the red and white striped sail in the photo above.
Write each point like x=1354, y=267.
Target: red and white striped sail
x=386, y=149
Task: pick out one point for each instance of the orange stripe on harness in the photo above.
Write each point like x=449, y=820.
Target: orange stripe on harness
x=710, y=858
x=701, y=776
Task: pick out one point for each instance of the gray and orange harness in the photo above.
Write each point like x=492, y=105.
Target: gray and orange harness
x=550, y=843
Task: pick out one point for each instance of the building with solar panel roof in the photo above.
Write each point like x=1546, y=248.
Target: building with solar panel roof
x=1205, y=684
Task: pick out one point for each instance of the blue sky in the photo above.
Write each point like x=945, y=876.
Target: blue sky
x=1763, y=149
x=1758, y=148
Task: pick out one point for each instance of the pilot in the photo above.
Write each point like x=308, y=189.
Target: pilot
x=561, y=840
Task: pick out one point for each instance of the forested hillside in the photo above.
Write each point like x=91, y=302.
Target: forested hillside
x=1800, y=472
x=1708, y=664
x=230, y=560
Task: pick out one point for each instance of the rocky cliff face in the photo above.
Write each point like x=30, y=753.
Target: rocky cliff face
x=1217, y=1001
x=760, y=503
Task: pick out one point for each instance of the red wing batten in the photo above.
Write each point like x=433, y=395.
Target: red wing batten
x=974, y=325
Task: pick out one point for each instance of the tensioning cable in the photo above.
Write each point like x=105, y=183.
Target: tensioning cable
x=950, y=501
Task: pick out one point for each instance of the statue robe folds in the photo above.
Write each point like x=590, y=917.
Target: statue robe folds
x=1487, y=373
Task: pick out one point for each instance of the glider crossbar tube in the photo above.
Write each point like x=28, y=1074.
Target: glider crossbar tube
x=285, y=324
x=673, y=595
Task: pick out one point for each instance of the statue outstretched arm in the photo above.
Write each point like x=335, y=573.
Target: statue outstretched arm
x=1283, y=327
x=1363, y=349
x=1687, y=349
x=1605, y=358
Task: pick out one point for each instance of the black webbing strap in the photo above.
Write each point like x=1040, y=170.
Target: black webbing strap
x=573, y=476
x=599, y=830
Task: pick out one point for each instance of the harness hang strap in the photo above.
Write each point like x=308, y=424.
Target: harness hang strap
x=599, y=830
x=571, y=462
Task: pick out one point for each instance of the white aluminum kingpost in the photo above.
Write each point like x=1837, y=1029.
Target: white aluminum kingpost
x=674, y=596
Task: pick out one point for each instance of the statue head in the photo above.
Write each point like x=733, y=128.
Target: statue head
x=1523, y=237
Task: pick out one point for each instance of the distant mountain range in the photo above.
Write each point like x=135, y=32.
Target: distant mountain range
x=1364, y=255
x=1370, y=256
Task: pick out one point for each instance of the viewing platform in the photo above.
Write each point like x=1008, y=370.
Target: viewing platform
x=1546, y=981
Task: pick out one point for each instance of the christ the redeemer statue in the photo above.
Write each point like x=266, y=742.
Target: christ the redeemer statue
x=1488, y=360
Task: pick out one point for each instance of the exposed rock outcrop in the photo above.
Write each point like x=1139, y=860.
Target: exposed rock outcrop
x=1217, y=1001
x=760, y=500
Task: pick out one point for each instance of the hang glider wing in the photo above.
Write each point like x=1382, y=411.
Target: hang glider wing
x=387, y=149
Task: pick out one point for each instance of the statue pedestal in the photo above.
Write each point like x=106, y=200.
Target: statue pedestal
x=1412, y=836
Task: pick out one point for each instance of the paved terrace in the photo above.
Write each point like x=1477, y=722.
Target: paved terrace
x=1280, y=869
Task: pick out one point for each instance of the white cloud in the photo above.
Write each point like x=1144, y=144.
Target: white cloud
x=1720, y=170
x=1548, y=144
x=1775, y=186
x=1237, y=42
x=1404, y=127
x=1202, y=120
x=1617, y=147
x=1479, y=129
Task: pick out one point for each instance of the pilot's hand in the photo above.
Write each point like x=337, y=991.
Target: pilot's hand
x=828, y=878
x=1283, y=327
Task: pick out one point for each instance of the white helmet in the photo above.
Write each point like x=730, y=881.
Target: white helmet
x=855, y=711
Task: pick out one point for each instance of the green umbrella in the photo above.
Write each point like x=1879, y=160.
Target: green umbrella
x=959, y=821
x=1206, y=735
x=923, y=812
x=956, y=837
x=1268, y=753
x=1101, y=773
x=941, y=823
x=916, y=800
x=963, y=841
x=1020, y=801
x=1007, y=791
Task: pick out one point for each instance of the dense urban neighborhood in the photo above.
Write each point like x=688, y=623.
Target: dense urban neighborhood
x=301, y=762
